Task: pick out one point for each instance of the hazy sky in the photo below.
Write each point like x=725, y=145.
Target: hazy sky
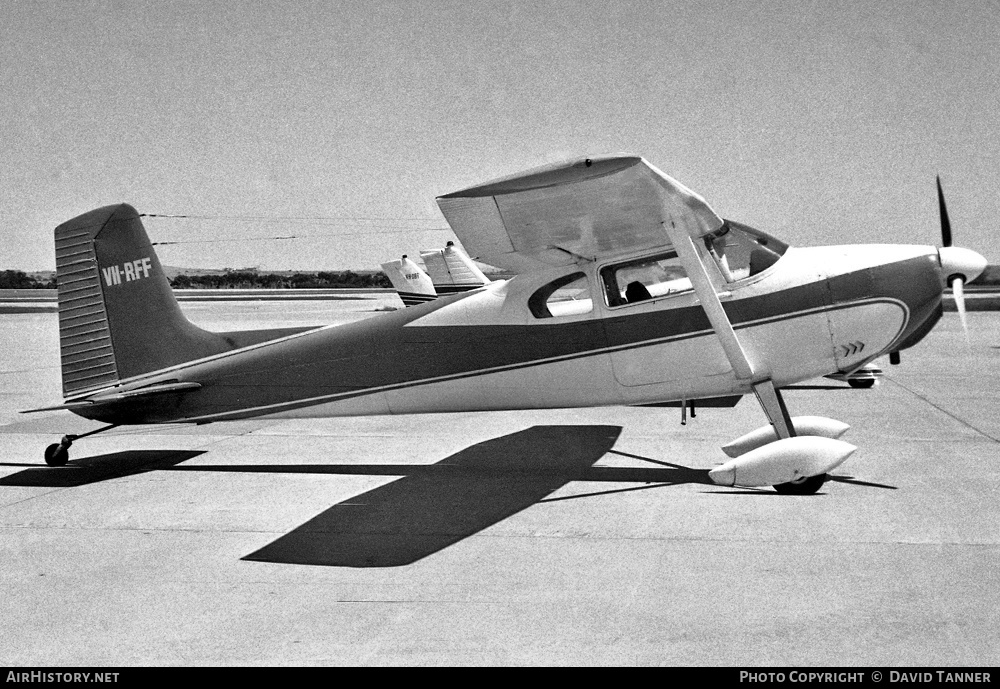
x=821, y=122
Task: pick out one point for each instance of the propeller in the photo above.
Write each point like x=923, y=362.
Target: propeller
x=958, y=265
x=943, y=211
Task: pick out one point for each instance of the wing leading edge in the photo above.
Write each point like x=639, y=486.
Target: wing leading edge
x=587, y=208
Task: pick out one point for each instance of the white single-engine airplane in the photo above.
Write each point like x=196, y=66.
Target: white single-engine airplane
x=630, y=290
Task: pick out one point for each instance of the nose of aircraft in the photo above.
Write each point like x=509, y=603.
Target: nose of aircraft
x=959, y=266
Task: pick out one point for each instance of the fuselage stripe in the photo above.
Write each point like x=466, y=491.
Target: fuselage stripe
x=298, y=404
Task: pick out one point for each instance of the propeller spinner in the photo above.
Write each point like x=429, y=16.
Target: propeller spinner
x=959, y=266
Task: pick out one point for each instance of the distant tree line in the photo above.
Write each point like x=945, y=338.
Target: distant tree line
x=254, y=280
x=18, y=279
x=990, y=276
x=237, y=279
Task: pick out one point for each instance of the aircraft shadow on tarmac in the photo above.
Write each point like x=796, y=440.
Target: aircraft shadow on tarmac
x=432, y=506
x=87, y=470
x=435, y=506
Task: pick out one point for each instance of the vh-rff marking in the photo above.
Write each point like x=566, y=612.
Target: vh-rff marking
x=127, y=272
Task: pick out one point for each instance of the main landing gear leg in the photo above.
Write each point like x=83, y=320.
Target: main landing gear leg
x=57, y=454
x=777, y=413
x=774, y=407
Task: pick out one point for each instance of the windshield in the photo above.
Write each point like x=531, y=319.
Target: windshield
x=742, y=251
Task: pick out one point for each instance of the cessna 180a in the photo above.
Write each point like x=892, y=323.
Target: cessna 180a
x=629, y=290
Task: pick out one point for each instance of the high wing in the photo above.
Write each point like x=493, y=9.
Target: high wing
x=586, y=208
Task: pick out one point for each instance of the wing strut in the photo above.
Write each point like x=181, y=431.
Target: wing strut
x=769, y=397
x=709, y=298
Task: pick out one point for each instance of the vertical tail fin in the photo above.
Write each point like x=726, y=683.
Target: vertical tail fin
x=117, y=314
x=452, y=270
x=412, y=284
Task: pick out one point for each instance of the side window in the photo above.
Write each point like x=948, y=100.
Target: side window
x=647, y=278
x=567, y=296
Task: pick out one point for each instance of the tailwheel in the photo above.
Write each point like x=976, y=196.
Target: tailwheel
x=56, y=455
x=808, y=485
x=861, y=382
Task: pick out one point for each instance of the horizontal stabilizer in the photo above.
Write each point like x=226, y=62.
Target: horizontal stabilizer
x=112, y=397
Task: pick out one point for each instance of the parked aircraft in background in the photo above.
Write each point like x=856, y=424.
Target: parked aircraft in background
x=411, y=282
x=452, y=270
x=629, y=290
x=864, y=377
x=449, y=270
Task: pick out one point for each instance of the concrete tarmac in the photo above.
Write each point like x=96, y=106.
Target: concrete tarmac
x=569, y=537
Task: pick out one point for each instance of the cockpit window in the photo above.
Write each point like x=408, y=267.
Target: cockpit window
x=643, y=279
x=566, y=296
x=742, y=251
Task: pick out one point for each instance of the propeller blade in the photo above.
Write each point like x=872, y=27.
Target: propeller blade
x=943, y=210
x=957, y=288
